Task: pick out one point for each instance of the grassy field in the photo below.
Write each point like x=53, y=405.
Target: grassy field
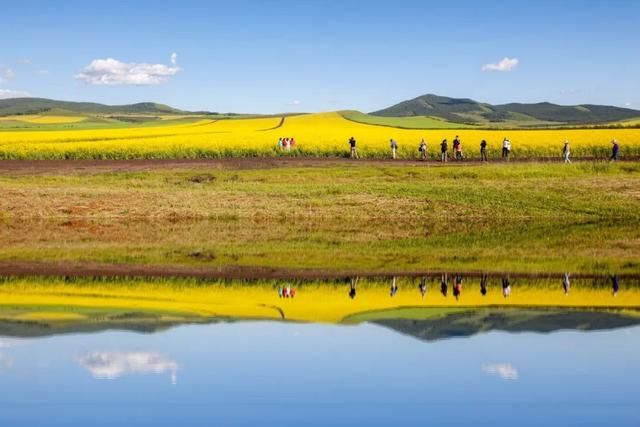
x=323, y=135
x=352, y=217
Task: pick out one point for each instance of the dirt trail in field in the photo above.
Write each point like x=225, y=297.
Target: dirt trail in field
x=31, y=167
x=90, y=269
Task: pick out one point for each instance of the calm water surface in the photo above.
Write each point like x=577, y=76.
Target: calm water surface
x=278, y=373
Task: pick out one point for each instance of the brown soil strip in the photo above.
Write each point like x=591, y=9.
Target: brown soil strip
x=31, y=167
x=75, y=269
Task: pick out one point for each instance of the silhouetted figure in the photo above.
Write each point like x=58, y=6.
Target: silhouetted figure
x=483, y=285
x=444, y=148
x=444, y=285
x=354, y=151
x=506, y=287
x=423, y=286
x=394, y=287
x=615, y=285
x=483, y=151
x=566, y=283
x=352, y=287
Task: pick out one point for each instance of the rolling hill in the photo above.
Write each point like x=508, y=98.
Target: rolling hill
x=468, y=111
x=23, y=106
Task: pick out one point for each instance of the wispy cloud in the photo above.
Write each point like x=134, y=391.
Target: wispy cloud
x=506, y=64
x=24, y=61
x=43, y=72
x=111, y=72
x=6, y=73
x=113, y=364
x=503, y=370
x=295, y=103
x=8, y=93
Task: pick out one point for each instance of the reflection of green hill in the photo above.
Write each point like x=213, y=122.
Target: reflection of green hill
x=143, y=322
x=464, y=324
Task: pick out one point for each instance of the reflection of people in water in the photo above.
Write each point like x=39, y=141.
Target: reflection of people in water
x=394, y=287
x=280, y=292
x=506, y=287
x=444, y=285
x=483, y=284
x=423, y=286
x=352, y=287
x=566, y=284
x=457, y=286
x=615, y=284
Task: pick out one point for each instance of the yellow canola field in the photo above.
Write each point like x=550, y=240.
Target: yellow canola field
x=317, y=302
x=323, y=134
x=45, y=120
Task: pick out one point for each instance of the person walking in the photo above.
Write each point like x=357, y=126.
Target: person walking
x=483, y=151
x=615, y=150
x=444, y=147
x=566, y=151
x=280, y=146
x=394, y=148
x=354, y=151
x=506, y=149
x=422, y=149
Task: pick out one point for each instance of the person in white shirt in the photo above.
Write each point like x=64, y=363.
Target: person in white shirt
x=506, y=148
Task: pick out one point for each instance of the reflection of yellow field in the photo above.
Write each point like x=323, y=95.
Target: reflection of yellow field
x=319, y=134
x=313, y=302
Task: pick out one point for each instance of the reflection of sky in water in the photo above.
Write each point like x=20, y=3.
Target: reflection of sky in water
x=294, y=374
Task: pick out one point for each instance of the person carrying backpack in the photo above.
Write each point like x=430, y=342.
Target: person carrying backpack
x=444, y=147
x=394, y=148
x=422, y=149
x=483, y=151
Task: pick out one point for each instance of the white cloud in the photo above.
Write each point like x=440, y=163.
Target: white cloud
x=8, y=93
x=295, y=102
x=505, y=64
x=174, y=58
x=503, y=370
x=113, y=364
x=112, y=72
x=24, y=61
x=43, y=72
x=627, y=104
x=6, y=73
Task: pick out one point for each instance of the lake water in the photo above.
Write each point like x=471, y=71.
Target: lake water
x=61, y=365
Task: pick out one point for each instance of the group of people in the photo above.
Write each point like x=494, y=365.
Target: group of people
x=286, y=144
x=456, y=288
x=286, y=292
x=458, y=153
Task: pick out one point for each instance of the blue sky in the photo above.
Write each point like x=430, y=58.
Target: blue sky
x=274, y=56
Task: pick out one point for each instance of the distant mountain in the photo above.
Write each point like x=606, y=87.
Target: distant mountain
x=510, y=320
x=19, y=106
x=464, y=110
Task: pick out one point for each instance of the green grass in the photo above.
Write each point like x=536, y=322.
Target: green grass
x=519, y=217
x=417, y=122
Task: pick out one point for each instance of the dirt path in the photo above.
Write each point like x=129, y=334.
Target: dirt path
x=32, y=268
x=30, y=167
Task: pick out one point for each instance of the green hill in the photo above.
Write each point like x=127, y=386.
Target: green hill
x=468, y=111
x=21, y=106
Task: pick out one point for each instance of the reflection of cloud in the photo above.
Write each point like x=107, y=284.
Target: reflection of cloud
x=113, y=364
x=6, y=362
x=9, y=342
x=504, y=370
x=506, y=64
